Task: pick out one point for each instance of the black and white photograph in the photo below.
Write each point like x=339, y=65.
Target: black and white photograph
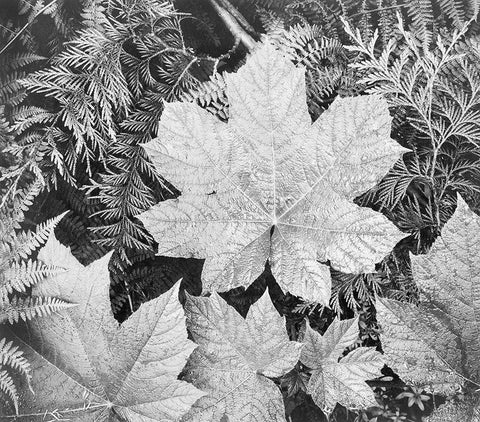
x=239, y=211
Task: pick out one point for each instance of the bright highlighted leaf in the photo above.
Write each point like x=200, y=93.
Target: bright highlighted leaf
x=336, y=380
x=270, y=185
x=436, y=345
x=235, y=359
x=86, y=367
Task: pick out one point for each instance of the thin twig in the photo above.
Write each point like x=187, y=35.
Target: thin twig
x=237, y=15
x=7, y=29
x=26, y=26
x=233, y=26
x=225, y=55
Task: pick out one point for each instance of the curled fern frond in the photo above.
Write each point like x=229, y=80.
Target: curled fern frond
x=323, y=58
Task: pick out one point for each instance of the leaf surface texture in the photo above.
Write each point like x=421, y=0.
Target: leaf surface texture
x=336, y=379
x=235, y=359
x=436, y=345
x=270, y=185
x=87, y=367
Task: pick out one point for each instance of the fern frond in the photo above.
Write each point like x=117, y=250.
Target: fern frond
x=28, y=116
x=441, y=110
x=269, y=4
x=12, y=356
x=20, y=59
x=93, y=14
x=423, y=21
x=17, y=272
x=124, y=192
x=460, y=12
x=211, y=96
x=308, y=47
x=353, y=289
x=26, y=242
x=272, y=23
x=11, y=90
x=324, y=58
x=5, y=130
x=158, y=67
x=324, y=14
x=30, y=307
x=15, y=202
x=88, y=84
x=393, y=187
x=8, y=388
x=18, y=276
x=473, y=8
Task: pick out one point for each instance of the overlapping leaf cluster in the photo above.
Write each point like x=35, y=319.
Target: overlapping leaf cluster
x=85, y=366
x=274, y=180
x=263, y=187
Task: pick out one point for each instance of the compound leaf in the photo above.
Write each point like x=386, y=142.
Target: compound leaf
x=336, y=379
x=436, y=345
x=86, y=367
x=235, y=359
x=270, y=185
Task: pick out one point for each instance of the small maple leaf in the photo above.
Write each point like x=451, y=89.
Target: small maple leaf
x=283, y=187
x=235, y=359
x=436, y=345
x=86, y=367
x=336, y=379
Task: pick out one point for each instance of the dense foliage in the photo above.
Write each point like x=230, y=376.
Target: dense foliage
x=100, y=101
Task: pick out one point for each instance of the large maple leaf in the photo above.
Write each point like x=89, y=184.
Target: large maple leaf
x=235, y=359
x=270, y=185
x=86, y=367
x=336, y=379
x=436, y=345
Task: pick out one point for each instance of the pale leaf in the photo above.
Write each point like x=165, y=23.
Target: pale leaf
x=336, y=379
x=270, y=185
x=234, y=359
x=436, y=345
x=87, y=367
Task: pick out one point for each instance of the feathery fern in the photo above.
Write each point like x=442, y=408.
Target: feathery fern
x=158, y=67
x=18, y=273
x=444, y=115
